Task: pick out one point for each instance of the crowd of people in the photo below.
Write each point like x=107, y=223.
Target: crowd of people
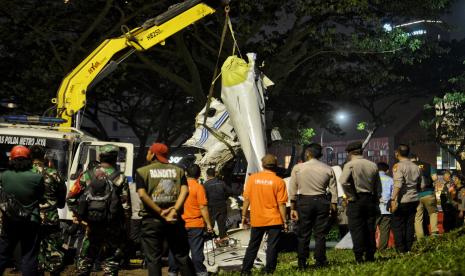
x=30, y=194
x=180, y=210
x=173, y=210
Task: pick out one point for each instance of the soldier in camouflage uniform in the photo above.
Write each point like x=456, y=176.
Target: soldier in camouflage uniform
x=104, y=240
x=51, y=251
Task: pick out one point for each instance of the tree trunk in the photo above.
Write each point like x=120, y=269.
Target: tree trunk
x=367, y=140
x=98, y=132
x=140, y=160
x=292, y=162
x=165, y=121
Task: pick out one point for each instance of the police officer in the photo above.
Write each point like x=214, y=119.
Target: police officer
x=427, y=200
x=104, y=238
x=309, y=204
x=162, y=188
x=27, y=188
x=404, y=202
x=362, y=186
x=51, y=251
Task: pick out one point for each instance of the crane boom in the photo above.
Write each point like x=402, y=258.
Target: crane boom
x=71, y=96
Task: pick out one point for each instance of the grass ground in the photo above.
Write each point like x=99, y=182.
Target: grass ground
x=442, y=255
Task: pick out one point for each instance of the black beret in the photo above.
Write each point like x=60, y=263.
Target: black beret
x=354, y=146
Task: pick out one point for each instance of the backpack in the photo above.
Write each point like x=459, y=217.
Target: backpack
x=13, y=209
x=99, y=202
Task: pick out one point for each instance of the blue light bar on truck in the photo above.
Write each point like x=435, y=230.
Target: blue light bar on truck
x=24, y=119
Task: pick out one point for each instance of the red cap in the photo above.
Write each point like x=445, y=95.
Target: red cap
x=161, y=152
x=19, y=151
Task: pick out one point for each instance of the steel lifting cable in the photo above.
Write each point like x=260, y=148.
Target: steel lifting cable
x=235, y=46
x=227, y=24
x=215, y=71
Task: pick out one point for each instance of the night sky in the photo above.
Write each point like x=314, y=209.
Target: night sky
x=455, y=19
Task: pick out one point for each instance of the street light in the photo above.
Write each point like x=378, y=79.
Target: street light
x=387, y=27
x=341, y=117
x=9, y=103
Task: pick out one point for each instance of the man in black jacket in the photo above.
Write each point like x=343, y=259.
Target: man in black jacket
x=217, y=196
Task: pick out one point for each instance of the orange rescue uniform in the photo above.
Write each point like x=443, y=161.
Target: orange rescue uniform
x=265, y=191
x=196, y=198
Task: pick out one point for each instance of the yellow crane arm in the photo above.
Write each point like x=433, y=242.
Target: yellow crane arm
x=71, y=95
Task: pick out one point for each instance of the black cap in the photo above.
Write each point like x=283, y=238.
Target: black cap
x=354, y=146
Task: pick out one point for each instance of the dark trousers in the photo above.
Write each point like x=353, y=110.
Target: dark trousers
x=313, y=216
x=135, y=231
x=27, y=235
x=218, y=214
x=102, y=242
x=134, y=235
x=196, y=242
x=256, y=236
x=362, y=214
x=154, y=232
x=384, y=224
x=343, y=230
x=403, y=226
x=449, y=217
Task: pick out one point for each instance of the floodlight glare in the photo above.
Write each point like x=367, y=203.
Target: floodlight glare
x=341, y=116
x=387, y=27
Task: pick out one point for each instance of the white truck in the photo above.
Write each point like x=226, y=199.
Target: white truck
x=71, y=149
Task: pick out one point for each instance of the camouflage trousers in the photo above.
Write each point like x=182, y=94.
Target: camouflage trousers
x=51, y=253
x=103, y=244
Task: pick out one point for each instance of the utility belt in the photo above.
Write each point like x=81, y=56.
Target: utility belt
x=312, y=197
x=365, y=194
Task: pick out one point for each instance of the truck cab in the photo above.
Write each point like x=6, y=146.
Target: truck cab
x=70, y=152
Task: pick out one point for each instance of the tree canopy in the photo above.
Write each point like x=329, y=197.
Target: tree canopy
x=446, y=120
x=315, y=52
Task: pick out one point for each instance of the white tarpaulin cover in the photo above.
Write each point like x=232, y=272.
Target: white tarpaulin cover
x=242, y=94
x=337, y=172
x=230, y=257
x=345, y=243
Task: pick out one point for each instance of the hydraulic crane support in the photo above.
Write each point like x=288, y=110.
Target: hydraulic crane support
x=71, y=95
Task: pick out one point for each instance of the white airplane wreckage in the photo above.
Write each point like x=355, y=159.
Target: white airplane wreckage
x=235, y=123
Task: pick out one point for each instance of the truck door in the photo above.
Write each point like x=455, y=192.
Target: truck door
x=86, y=156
